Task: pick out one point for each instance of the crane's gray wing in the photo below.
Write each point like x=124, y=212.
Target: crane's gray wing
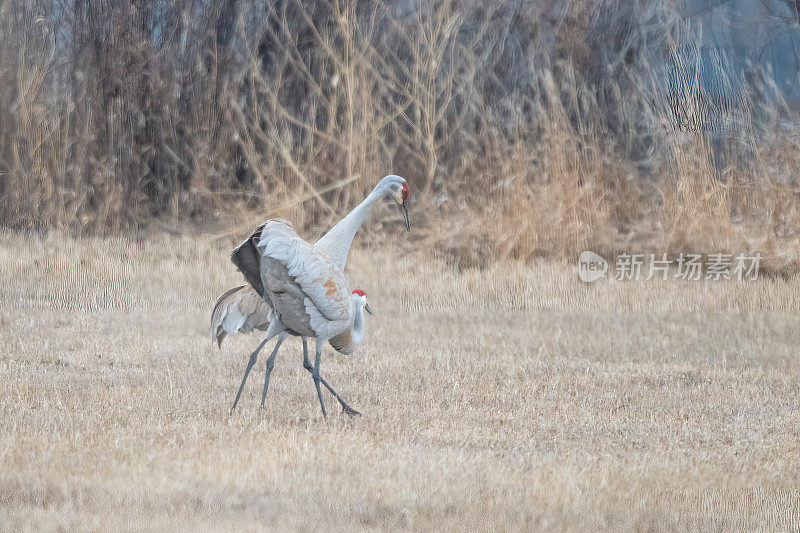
x=247, y=259
x=239, y=310
x=327, y=292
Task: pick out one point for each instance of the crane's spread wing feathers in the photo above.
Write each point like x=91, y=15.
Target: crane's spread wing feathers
x=239, y=310
x=327, y=293
x=247, y=260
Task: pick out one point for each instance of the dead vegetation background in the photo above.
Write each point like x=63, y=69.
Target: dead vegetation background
x=525, y=128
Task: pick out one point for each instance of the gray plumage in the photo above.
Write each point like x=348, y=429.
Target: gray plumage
x=246, y=258
x=242, y=310
x=304, y=288
x=307, y=294
x=239, y=310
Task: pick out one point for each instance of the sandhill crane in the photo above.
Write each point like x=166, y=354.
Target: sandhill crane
x=346, y=342
x=305, y=286
x=241, y=310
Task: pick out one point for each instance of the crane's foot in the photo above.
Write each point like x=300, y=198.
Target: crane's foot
x=352, y=413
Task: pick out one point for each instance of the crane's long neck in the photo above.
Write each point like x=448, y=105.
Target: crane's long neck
x=336, y=243
x=357, y=332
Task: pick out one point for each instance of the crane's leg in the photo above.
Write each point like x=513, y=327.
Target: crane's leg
x=270, y=364
x=274, y=328
x=253, y=358
x=315, y=375
x=308, y=366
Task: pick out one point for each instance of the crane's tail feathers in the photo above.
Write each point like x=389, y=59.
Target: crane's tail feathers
x=238, y=310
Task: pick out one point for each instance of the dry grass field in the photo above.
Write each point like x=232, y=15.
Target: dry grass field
x=512, y=398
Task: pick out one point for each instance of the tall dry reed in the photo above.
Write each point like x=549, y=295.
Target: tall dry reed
x=526, y=129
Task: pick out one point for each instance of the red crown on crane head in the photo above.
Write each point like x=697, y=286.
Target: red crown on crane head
x=359, y=292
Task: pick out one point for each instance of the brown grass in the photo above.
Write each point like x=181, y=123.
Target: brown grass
x=513, y=398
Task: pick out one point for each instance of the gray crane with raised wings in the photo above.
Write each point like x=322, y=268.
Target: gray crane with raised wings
x=296, y=288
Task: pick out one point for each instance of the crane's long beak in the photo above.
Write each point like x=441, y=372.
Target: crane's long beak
x=405, y=213
x=367, y=309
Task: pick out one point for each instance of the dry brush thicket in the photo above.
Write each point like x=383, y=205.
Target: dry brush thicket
x=525, y=128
